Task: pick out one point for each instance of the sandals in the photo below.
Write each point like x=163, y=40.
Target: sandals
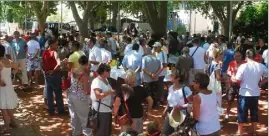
x=5, y=130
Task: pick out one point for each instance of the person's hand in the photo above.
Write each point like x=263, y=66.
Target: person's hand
x=154, y=76
x=2, y=84
x=177, y=108
x=50, y=72
x=112, y=91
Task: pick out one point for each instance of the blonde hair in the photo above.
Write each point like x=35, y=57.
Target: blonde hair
x=130, y=77
x=217, y=52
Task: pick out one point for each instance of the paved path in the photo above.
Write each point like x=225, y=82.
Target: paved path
x=34, y=120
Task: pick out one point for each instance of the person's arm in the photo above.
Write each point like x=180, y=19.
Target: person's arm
x=165, y=111
x=85, y=82
x=57, y=67
x=116, y=106
x=124, y=63
x=239, y=74
x=100, y=95
x=196, y=106
x=36, y=51
x=2, y=83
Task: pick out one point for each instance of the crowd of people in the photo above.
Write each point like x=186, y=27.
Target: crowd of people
x=207, y=70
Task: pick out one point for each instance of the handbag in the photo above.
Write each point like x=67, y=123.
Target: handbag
x=66, y=83
x=189, y=123
x=126, y=118
x=214, y=85
x=93, y=115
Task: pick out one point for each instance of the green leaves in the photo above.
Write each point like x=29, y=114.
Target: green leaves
x=253, y=20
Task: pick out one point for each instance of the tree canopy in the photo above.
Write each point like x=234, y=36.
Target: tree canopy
x=253, y=21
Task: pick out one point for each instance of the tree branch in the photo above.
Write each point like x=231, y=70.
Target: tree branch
x=75, y=12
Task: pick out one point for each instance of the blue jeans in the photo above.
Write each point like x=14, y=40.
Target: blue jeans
x=53, y=84
x=244, y=105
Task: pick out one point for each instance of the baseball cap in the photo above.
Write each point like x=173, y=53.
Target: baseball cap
x=157, y=44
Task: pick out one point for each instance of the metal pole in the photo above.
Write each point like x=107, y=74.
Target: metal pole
x=61, y=18
x=230, y=20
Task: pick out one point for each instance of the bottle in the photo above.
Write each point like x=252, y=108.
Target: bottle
x=118, y=63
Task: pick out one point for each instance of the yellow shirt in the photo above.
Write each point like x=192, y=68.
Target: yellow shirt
x=74, y=58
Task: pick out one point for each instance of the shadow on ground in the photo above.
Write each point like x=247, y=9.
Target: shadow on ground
x=35, y=121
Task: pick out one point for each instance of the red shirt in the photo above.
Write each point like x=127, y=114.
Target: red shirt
x=26, y=38
x=49, y=61
x=258, y=58
x=232, y=69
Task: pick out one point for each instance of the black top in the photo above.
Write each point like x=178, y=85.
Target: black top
x=134, y=102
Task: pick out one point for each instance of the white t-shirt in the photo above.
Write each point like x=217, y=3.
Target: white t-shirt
x=175, y=97
x=198, y=57
x=128, y=48
x=265, y=56
x=106, y=55
x=163, y=59
x=33, y=45
x=95, y=55
x=98, y=83
x=250, y=75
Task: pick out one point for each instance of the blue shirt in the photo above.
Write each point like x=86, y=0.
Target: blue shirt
x=20, y=48
x=228, y=56
x=133, y=60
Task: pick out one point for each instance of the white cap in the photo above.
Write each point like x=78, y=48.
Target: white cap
x=157, y=44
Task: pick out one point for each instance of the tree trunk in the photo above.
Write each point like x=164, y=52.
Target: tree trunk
x=157, y=17
x=114, y=13
x=41, y=25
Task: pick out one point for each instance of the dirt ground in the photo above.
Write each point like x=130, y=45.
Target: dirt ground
x=35, y=121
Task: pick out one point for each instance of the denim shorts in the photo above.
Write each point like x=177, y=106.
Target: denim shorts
x=246, y=103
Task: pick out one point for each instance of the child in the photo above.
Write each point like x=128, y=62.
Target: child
x=8, y=97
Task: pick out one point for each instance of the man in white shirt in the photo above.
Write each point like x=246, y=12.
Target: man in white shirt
x=95, y=56
x=249, y=75
x=162, y=57
x=33, y=62
x=106, y=55
x=199, y=58
x=133, y=61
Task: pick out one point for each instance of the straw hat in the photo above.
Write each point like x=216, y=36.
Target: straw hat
x=176, y=118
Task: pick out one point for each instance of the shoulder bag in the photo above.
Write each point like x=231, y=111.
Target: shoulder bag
x=195, y=51
x=93, y=115
x=189, y=123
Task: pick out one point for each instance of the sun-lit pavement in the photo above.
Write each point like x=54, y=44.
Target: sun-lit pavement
x=34, y=120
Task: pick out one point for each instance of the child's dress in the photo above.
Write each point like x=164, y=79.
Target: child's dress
x=8, y=97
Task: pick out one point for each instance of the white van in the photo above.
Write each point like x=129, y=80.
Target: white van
x=55, y=27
